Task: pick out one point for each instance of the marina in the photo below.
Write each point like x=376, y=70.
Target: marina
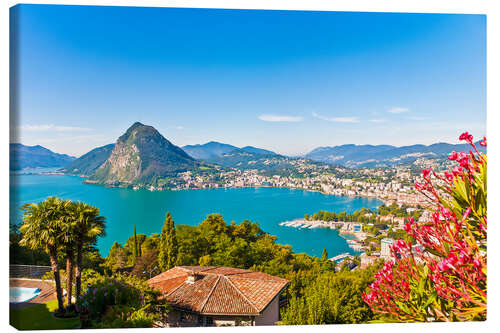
x=344, y=228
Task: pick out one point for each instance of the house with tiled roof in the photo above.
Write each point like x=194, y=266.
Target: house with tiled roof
x=220, y=296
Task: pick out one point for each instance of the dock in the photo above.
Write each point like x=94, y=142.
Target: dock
x=341, y=256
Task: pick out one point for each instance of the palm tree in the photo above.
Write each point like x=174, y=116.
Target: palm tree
x=88, y=226
x=68, y=238
x=41, y=230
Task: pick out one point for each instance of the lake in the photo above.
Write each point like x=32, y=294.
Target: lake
x=124, y=208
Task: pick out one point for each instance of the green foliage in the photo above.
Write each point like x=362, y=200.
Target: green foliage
x=319, y=297
x=168, y=251
x=117, y=258
x=324, y=256
x=136, y=251
x=147, y=265
x=23, y=255
x=119, y=301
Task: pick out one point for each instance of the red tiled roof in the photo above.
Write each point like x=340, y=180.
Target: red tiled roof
x=218, y=290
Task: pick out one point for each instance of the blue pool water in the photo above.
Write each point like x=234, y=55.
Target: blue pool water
x=22, y=294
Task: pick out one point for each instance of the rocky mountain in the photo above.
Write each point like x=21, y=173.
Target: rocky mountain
x=142, y=156
x=88, y=163
x=378, y=155
x=22, y=156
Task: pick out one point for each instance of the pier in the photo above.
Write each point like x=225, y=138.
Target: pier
x=341, y=256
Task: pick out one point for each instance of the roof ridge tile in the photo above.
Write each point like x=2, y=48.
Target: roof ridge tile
x=242, y=294
x=210, y=294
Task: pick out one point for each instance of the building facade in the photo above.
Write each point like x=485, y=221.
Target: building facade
x=220, y=296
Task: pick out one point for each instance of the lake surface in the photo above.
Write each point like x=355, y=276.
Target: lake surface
x=124, y=208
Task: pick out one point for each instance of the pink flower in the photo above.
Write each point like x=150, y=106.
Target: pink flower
x=400, y=246
x=456, y=171
x=443, y=265
x=464, y=163
x=448, y=176
x=466, y=137
x=483, y=142
x=462, y=156
x=453, y=156
x=426, y=172
x=462, y=258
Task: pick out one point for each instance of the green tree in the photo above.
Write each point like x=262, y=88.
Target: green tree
x=329, y=298
x=136, y=251
x=41, y=230
x=167, y=256
x=324, y=256
x=88, y=226
x=67, y=238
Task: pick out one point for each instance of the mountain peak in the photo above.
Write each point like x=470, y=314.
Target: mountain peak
x=136, y=124
x=143, y=156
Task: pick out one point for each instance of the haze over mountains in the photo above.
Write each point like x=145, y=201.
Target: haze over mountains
x=233, y=157
x=22, y=157
x=214, y=150
x=142, y=154
x=370, y=155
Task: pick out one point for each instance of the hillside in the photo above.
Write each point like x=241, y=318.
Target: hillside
x=208, y=150
x=213, y=150
x=88, y=163
x=22, y=156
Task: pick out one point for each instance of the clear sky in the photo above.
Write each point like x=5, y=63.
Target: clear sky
x=288, y=81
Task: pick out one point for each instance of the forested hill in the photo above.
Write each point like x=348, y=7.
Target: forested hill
x=22, y=156
x=88, y=163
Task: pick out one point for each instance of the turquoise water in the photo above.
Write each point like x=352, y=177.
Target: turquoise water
x=22, y=294
x=124, y=208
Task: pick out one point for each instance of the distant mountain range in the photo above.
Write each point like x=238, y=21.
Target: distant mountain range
x=143, y=156
x=370, y=155
x=22, y=157
x=230, y=156
x=214, y=150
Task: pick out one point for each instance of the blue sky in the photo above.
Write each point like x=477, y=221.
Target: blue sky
x=288, y=81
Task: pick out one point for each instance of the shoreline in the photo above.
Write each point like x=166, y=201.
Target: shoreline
x=345, y=227
x=136, y=188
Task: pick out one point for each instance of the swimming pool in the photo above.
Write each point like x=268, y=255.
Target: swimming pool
x=22, y=294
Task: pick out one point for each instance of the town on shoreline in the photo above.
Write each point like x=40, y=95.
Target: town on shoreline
x=394, y=184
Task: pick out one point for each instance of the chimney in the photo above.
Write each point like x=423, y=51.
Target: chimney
x=193, y=277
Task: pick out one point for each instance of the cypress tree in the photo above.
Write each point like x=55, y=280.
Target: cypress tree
x=167, y=256
x=136, y=252
x=325, y=254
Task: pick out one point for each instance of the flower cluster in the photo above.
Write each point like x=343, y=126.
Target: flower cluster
x=446, y=281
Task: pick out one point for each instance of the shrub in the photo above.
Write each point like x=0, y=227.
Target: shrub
x=447, y=281
x=119, y=301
